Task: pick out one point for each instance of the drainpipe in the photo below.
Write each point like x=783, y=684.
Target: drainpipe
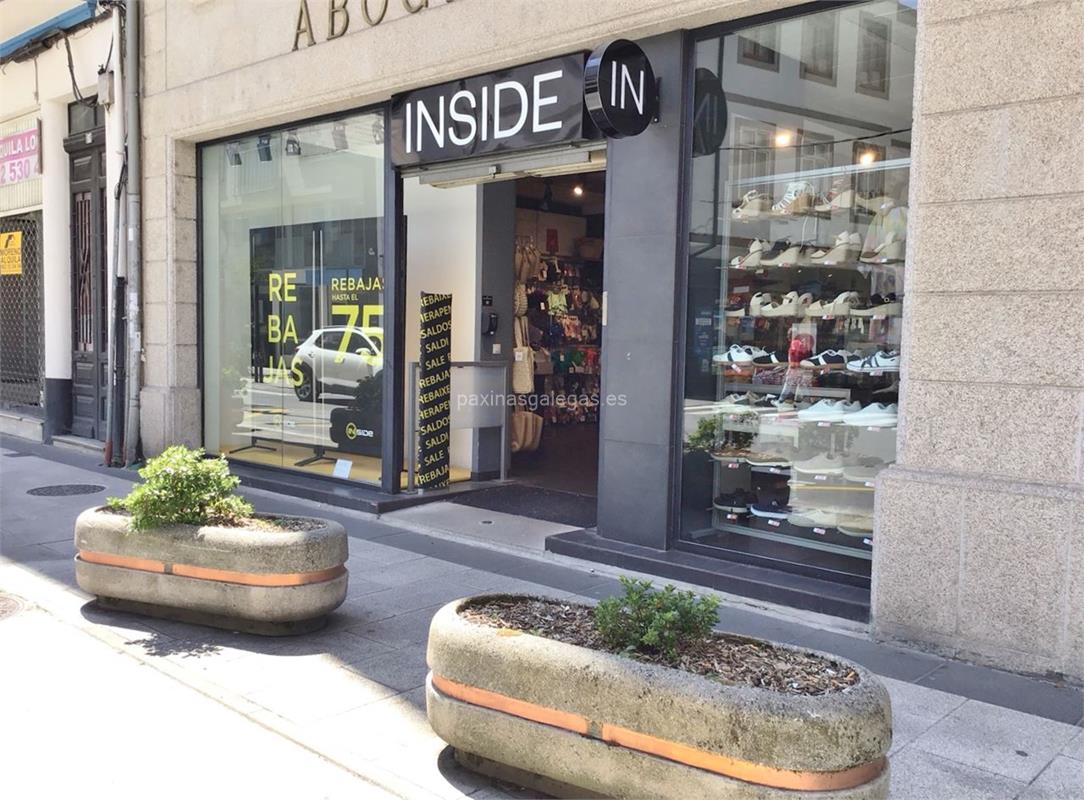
x=132, y=16
x=117, y=399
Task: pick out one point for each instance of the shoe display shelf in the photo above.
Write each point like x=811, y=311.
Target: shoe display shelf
x=825, y=510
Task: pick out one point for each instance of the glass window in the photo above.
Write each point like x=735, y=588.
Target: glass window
x=293, y=296
x=798, y=225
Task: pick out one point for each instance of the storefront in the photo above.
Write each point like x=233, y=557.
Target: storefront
x=398, y=278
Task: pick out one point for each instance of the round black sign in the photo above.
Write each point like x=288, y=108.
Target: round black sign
x=619, y=89
x=709, y=113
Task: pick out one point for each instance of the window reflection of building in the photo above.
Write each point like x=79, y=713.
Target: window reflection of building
x=872, y=74
x=819, y=48
x=760, y=47
x=755, y=153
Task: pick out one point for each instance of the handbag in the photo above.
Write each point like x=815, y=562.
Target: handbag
x=543, y=364
x=519, y=429
x=522, y=359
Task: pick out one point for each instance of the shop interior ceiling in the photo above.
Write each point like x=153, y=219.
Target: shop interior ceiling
x=591, y=198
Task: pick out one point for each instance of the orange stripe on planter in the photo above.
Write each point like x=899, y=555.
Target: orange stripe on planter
x=510, y=705
x=211, y=574
x=739, y=769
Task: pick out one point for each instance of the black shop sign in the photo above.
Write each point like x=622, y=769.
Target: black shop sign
x=566, y=99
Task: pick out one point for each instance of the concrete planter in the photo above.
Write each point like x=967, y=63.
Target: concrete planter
x=267, y=582
x=577, y=722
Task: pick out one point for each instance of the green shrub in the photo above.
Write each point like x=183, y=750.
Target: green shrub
x=181, y=486
x=654, y=622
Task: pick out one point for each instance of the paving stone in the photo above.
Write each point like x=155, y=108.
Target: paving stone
x=916, y=709
x=397, y=600
x=1062, y=780
x=402, y=670
x=416, y=570
x=999, y=740
x=399, y=631
x=918, y=775
x=1058, y=702
x=1075, y=748
x=320, y=693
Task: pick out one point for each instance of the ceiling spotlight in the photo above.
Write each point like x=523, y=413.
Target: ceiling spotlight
x=867, y=157
x=577, y=190
x=293, y=144
x=784, y=139
x=233, y=154
x=338, y=135
x=263, y=147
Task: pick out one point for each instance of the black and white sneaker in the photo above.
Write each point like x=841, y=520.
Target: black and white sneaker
x=735, y=502
x=881, y=361
x=829, y=359
x=771, y=509
x=774, y=359
x=887, y=306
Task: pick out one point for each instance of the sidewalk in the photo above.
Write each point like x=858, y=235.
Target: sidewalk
x=342, y=711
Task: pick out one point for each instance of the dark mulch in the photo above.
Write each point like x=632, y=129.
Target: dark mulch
x=732, y=660
x=259, y=522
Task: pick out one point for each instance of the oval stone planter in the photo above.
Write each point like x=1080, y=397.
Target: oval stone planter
x=267, y=582
x=572, y=721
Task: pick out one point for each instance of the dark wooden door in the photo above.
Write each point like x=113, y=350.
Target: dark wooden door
x=90, y=318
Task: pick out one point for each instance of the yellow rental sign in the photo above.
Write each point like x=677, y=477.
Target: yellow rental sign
x=11, y=253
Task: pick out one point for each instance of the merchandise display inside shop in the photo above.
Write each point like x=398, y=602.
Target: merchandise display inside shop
x=293, y=298
x=557, y=305
x=796, y=286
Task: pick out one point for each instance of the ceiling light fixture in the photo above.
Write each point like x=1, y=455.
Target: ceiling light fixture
x=577, y=190
x=867, y=157
x=263, y=147
x=783, y=139
x=293, y=144
x=547, y=196
x=233, y=154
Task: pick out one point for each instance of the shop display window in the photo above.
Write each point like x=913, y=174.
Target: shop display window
x=798, y=226
x=292, y=297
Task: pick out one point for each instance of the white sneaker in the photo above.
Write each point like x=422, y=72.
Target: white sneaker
x=881, y=361
x=829, y=411
x=819, y=465
x=856, y=525
x=813, y=518
x=875, y=415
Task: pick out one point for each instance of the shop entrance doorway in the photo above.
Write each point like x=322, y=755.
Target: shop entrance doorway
x=522, y=258
x=558, y=306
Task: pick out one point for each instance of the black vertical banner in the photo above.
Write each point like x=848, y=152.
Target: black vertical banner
x=435, y=391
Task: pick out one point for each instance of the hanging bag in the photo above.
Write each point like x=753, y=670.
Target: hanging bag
x=520, y=429
x=519, y=299
x=535, y=430
x=522, y=359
